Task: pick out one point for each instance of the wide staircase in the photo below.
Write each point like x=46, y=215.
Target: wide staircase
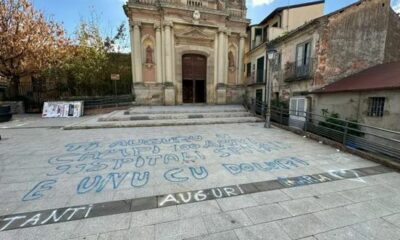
x=169, y=116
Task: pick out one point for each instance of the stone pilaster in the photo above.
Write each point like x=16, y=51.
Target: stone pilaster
x=168, y=52
x=169, y=91
x=216, y=70
x=221, y=55
x=132, y=54
x=159, y=64
x=226, y=61
x=137, y=52
x=239, y=79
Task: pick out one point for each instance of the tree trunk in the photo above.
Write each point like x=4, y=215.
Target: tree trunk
x=14, y=87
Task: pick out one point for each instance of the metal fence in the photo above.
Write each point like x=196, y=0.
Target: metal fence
x=103, y=102
x=350, y=134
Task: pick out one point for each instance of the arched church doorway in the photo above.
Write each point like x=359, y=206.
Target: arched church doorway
x=194, y=78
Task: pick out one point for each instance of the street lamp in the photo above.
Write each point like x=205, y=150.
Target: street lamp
x=271, y=53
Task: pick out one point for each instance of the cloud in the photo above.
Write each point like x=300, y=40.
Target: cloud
x=256, y=3
x=396, y=5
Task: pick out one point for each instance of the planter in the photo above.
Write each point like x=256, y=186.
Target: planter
x=5, y=113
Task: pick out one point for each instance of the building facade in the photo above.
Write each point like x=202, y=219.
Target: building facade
x=279, y=23
x=370, y=97
x=324, y=50
x=187, y=51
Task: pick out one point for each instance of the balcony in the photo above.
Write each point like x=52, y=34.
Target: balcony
x=256, y=42
x=275, y=32
x=297, y=72
x=238, y=13
x=257, y=78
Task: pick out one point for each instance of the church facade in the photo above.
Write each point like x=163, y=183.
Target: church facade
x=187, y=51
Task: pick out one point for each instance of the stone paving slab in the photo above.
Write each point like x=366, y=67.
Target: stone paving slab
x=139, y=168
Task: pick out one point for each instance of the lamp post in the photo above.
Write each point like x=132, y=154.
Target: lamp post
x=271, y=53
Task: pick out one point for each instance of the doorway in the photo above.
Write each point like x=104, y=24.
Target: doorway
x=194, y=72
x=259, y=101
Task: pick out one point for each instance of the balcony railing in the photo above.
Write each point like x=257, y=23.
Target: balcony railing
x=251, y=79
x=237, y=13
x=147, y=2
x=295, y=71
x=256, y=42
x=231, y=11
x=194, y=3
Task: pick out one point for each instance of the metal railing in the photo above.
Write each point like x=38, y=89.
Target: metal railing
x=103, y=102
x=352, y=135
x=294, y=71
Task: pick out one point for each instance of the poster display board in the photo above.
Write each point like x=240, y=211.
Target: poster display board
x=62, y=109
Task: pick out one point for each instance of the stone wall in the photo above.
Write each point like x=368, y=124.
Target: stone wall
x=353, y=40
x=149, y=94
x=17, y=107
x=392, y=51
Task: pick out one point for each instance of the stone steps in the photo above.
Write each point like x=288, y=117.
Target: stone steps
x=193, y=115
x=159, y=123
x=169, y=116
x=185, y=109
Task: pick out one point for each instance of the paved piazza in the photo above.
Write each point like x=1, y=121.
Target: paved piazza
x=232, y=181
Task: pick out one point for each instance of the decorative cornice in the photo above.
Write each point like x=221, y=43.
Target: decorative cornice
x=222, y=29
x=135, y=24
x=157, y=26
x=168, y=24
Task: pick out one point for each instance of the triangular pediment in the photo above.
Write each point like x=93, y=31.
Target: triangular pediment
x=194, y=33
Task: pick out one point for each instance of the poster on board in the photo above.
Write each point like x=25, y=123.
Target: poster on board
x=62, y=109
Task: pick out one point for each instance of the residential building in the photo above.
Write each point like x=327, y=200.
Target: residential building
x=187, y=51
x=329, y=48
x=370, y=97
x=277, y=24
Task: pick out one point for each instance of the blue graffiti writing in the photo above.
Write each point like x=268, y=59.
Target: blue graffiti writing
x=178, y=174
x=84, y=146
x=226, y=146
x=37, y=191
x=282, y=163
x=114, y=180
x=171, y=140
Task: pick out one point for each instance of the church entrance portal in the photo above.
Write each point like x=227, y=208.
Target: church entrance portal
x=194, y=72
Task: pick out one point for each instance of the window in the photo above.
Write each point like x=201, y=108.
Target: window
x=278, y=61
x=260, y=70
x=257, y=37
x=376, y=106
x=265, y=34
x=248, y=70
x=303, y=66
x=259, y=100
x=303, y=54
